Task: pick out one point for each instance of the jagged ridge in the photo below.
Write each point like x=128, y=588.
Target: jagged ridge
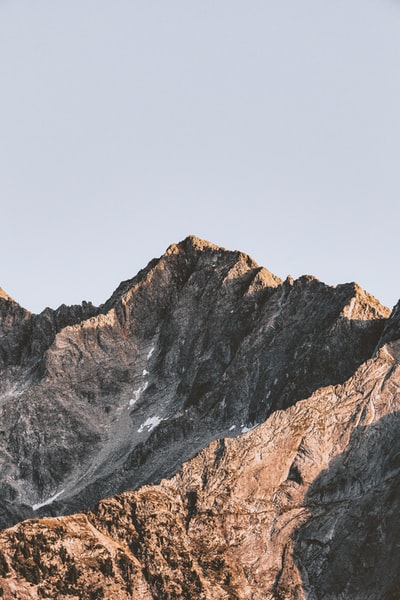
x=200, y=344
x=304, y=506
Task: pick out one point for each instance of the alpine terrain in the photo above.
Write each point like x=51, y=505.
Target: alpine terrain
x=209, y=432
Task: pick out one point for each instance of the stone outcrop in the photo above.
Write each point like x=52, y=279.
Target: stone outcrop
x=201, y=344
x=304, y=506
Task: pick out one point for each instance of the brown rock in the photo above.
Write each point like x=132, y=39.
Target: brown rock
x=304, y=506
x=201, y=344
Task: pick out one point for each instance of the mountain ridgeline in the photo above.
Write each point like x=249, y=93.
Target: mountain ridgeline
x=260, y=416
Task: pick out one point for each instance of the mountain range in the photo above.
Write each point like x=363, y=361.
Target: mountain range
x=209, y=432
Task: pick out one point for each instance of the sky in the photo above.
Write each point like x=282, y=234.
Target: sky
x=263, y=126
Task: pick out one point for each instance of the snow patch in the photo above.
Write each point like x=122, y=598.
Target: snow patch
x=246, y=429
x=145, y=373
x=137, y=393
x=48, y=501
x=150, y=423
x=351, y=308
x=150, y=354
x=232, y=428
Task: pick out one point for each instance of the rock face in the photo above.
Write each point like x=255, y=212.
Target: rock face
x=305, y=506
x=282, y=398
x=201, y=344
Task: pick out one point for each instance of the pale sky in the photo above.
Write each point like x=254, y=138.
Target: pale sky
x=266, y=126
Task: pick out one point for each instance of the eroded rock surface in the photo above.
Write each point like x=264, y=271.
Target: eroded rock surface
x=305, y=506
x=201, y=344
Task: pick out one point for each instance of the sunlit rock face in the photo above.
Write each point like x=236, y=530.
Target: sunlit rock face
x=303, y=506
x=201, y=344
x=284, y=392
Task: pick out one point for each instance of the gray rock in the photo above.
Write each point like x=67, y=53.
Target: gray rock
x=304, y=507
x=201, y=344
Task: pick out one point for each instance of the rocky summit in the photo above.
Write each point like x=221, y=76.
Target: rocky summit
x=209, y=432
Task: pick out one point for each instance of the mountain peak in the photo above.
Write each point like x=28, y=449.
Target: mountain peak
x=192, y=242
x=200, y=347
x=364, y=306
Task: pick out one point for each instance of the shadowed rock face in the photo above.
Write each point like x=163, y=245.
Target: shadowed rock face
x=201, y=344
x=304, y=506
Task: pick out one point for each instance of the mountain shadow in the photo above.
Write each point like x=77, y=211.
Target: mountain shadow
x=349, y=548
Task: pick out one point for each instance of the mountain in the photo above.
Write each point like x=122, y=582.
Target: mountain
x=201, y=344
x=263, y=413
x=304, y=506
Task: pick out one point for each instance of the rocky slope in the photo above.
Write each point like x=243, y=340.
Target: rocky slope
x=304, y=506
x=201, y=344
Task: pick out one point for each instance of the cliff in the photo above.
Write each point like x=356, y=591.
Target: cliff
x=255, y=419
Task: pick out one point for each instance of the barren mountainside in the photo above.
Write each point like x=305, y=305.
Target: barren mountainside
x=264, y=414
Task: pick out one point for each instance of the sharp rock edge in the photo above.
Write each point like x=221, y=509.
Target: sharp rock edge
x=199, y=346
